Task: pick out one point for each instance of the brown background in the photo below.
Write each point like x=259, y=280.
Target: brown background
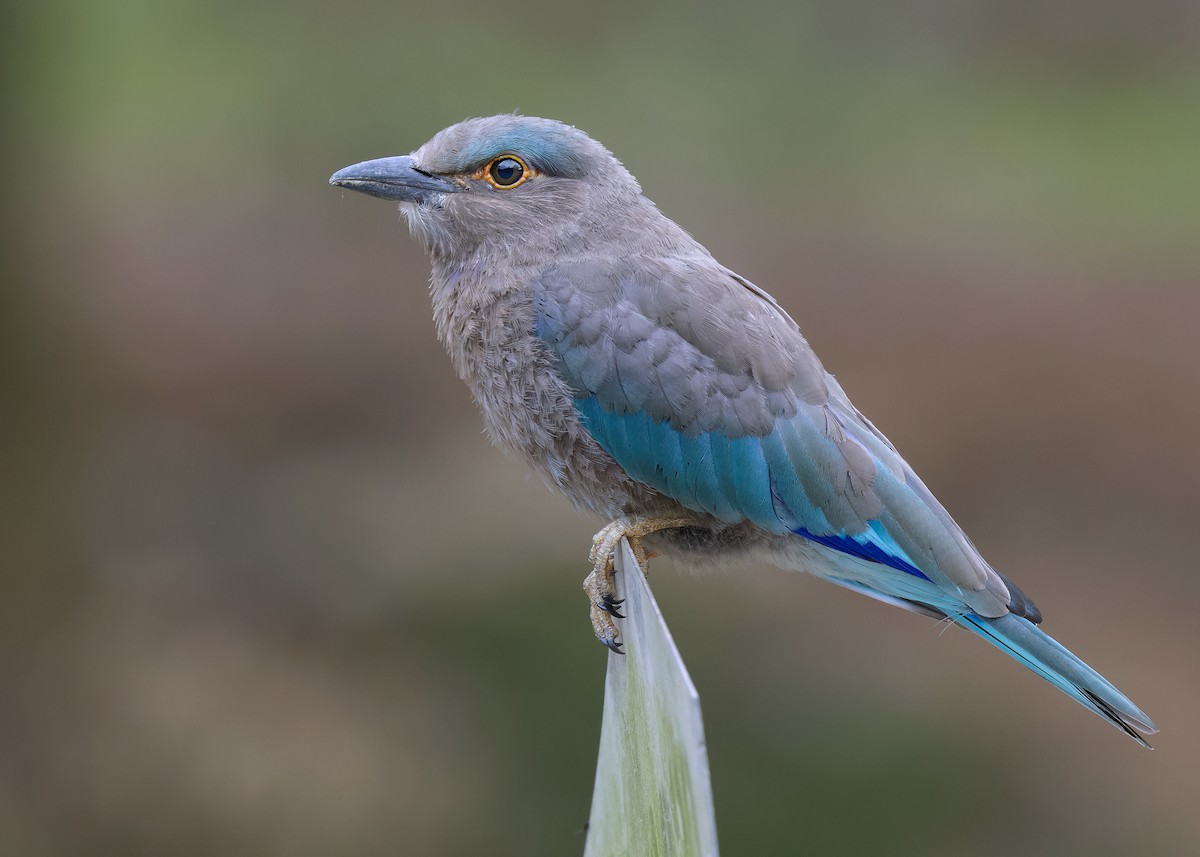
x=265, y=587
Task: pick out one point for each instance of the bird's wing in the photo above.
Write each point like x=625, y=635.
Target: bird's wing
x=701, y=386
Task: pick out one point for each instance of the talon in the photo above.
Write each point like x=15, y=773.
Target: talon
x=613, y=645
x=609, y=605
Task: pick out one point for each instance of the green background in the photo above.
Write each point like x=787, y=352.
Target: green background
x=265, y=587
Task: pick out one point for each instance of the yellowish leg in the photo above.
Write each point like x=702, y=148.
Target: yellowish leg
x=599, y=585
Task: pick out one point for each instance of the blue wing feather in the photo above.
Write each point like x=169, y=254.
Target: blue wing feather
x=867, y=546
x=724, y=486
x=736, y=479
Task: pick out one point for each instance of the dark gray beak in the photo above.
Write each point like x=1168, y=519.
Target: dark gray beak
x=392, y=178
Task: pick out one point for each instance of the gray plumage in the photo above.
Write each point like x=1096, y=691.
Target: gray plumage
x=641, y=378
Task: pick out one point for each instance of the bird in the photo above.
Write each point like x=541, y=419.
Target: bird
x=673, y=398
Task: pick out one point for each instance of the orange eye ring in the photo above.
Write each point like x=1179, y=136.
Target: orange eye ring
x=506, y=172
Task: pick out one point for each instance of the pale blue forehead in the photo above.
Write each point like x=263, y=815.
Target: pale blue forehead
x=544, y=144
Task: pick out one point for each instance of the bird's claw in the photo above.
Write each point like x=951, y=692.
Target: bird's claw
x=600, y=585
x=609, y=605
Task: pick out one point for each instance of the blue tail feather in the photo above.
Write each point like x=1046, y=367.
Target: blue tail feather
x=1037, y=650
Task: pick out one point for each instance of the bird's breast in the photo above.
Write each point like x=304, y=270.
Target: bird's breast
x=489, y=330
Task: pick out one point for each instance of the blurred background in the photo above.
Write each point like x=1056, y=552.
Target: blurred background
x=266, y=588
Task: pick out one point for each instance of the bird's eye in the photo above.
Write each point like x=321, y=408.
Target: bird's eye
x=507, y=172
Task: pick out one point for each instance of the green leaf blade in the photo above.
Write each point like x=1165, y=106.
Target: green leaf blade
x=653, y=795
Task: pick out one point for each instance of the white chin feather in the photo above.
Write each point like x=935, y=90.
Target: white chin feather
x=416, y=216
x=424, y=223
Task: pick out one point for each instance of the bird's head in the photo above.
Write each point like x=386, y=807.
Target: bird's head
x=518, y=184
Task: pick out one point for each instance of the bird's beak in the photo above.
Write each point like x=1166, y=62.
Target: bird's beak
x=393, y=178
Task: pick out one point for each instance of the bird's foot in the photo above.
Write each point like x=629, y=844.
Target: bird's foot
x=600, y=585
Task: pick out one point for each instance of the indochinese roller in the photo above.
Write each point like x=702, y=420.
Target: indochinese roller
x=673, y=398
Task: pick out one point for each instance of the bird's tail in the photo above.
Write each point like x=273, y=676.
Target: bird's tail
x=1049, y=659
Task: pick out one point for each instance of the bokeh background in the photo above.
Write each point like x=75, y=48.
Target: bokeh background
x=265, y=587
